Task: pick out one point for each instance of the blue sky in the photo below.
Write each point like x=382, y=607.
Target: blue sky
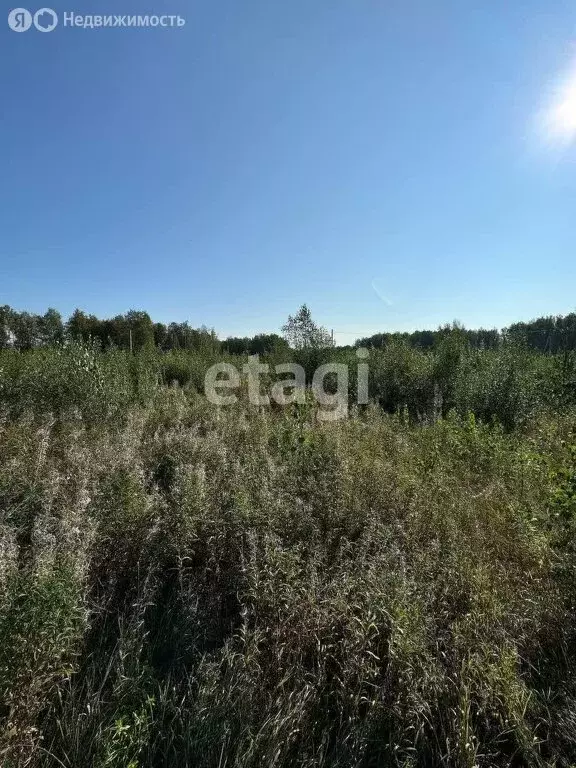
x=378, y=159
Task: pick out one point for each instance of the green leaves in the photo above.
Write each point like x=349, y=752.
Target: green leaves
x=301, y=332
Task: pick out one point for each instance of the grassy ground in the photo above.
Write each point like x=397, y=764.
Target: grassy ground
x=187, y=586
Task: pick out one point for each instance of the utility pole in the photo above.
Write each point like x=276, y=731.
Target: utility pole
x=131, y=349
x=332, y=336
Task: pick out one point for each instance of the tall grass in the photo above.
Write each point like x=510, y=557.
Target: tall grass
x=182, y=585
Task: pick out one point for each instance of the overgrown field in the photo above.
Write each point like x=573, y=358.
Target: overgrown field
x=182, y=585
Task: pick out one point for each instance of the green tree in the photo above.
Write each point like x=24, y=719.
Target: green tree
x=26, y=329
x=301, y=332
x=235, y=345
x=51, y=328
x=267, y=343
x=140, y=324
x=83, y=327
x=6, y=326
x=160, y=336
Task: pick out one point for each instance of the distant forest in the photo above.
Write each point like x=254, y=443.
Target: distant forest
x=136, y=330
x=546, y=334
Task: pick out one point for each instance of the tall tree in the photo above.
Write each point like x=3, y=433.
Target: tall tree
x=140, y=325
x=81, y=326
x=7, y=335
x=301, y=332
x=26, y=328
x=51, y=328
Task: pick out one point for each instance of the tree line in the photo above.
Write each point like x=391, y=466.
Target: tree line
x=551, y=334
x=136, y=330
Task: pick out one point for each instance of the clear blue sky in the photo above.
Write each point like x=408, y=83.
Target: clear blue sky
x=376, y=159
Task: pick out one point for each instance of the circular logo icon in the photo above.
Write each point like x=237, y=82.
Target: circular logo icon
x=45, y=20
x=19, y=20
